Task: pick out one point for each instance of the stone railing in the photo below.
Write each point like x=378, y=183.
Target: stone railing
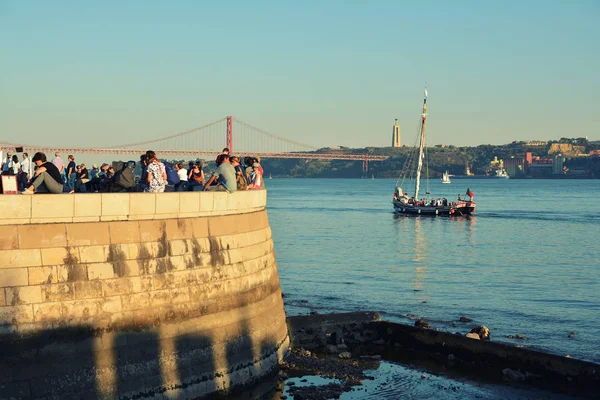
x=137, y=295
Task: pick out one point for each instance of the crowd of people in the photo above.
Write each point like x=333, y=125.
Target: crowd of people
x=39, y=175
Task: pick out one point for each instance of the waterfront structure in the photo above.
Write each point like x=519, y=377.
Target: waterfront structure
x=137, y=295
x=396, y=134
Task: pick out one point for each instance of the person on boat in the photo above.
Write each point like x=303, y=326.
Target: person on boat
x=444, y=201
x=459, y=199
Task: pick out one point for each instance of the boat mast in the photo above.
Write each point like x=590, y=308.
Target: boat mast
x=421, y=145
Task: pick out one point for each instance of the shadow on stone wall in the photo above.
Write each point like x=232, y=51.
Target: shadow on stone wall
x=80, y=362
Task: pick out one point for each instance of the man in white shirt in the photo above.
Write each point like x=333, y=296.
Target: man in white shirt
x=26, y=171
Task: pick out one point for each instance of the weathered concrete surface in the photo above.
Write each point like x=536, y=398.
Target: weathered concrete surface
x=366, y=333
x=175, y=307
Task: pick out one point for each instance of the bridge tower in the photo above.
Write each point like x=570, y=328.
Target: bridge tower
x=229, y=144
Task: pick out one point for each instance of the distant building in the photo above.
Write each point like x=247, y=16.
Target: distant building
x=396, y=134
x=538, y=143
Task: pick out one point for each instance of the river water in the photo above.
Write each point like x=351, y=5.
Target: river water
x=528, y=263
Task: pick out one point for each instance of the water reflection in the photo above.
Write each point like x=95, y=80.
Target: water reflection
x=420, y=259
x=413, y=243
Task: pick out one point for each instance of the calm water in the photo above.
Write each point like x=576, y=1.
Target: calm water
x=528, y=262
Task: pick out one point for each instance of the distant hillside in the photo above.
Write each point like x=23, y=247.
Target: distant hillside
x=451, y=158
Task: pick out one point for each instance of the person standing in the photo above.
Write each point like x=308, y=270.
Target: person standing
x=156, y=174
x=25, y=171
x=46, y=178
x=71, y=172
x=58, y=162
x=6, y=161
x=14, y=166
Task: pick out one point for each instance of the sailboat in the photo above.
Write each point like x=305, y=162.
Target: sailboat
x=446, y=177
x=403, y=204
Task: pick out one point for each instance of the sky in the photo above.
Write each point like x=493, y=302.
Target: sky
x=325, y=73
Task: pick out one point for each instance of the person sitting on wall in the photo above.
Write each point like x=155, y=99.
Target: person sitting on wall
x=196, y=177
x=46, y=178
x=224, y=175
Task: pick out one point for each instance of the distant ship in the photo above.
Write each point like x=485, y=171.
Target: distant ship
x=501, y=173
x=446, y=177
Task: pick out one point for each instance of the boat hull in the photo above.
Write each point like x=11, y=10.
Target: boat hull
x=462, y=208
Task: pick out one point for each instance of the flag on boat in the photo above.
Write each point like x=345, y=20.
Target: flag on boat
x=470, y=193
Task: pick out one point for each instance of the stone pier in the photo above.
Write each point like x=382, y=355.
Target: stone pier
x=170, y=295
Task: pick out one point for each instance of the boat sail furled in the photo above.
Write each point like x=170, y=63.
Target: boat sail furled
x=425, y=206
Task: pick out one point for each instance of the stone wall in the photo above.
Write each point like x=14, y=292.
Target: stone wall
x=171, y=295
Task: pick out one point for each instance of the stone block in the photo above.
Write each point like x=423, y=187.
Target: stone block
x=13, y=277
x=160, y=298
x=113, y=287
x=179, y=295
x=142, y=204
x=176, y=247
x=71, y=272
x=16, y=314
x=136, y=301
x=179, y=263
x=163, y=281
x=16, y=296
x=20, y=258
x=88, y=234
x=87, y=205
x=167, y=203
x=58, y=256
x=220, y=201
x=16, y=207
x=100, y=271
x=52, y=206
x=42, y=275
x=57, y=292
x=42, y=236
x=81, y=308
x=207, y=200
x=115, y=204
x=200, y=227
x=47, y=312
x=134, y=251
x=179, y=229
x=93, y=254
x=124, y=232
x=141, y=284
x=189, y=202
x=151, y=231
x=112, y=305
x=132, y=268
x=9, y=236
x=87, y=289
x=2, y=300
x=238, y=201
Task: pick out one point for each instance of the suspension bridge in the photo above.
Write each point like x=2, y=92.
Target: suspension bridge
x=208, y=141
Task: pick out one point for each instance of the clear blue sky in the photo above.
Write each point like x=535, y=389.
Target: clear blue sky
x=326, y=73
